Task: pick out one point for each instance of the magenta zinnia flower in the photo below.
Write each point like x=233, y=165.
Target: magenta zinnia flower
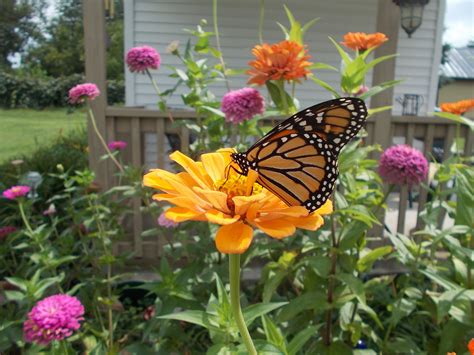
x=53, y=318
x=243, y=104
x=81, y=92
x=5, y=231
x=140, y=59
x=16, y=191
x=117, y=145
x=402, y=164
x=165, y=222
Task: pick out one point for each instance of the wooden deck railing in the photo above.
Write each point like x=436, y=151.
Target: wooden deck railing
x=137, y=125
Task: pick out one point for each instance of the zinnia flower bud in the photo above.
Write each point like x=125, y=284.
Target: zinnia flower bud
x=402, y=164
x=53, y=318
x=81, y=92
x=140, y=59
x=243, y=104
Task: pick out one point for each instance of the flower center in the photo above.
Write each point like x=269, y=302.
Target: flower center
x=236, y=185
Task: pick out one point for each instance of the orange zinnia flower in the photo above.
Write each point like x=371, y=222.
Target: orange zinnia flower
x=362, y=41
x=286, y=60
x=470, y=346
x=459, y=107
x=204, y=192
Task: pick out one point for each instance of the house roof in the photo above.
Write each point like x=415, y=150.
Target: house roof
x=460, y=63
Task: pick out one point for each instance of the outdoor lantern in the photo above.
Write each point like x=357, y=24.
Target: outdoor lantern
x=33, y=179
x=411, y=14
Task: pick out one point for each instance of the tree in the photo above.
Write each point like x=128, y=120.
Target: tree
x=61, y=51
x=17, y=27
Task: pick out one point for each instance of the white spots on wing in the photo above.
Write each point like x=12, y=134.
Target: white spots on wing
x=302, y=123
x=350, y=107
x=337, y=140
x=284, y=139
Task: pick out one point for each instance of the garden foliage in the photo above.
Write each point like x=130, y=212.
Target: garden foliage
x=317, y=292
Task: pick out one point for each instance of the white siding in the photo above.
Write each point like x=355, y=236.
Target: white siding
x=157, y=23
x=419, y=58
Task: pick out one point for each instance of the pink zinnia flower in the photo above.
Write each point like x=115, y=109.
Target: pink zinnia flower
x=7, y=230
x=140, y=59
x=117, y=145
x=402, y=164
x=165, y=222
x=243, y=104
x=16, y=191
x=81, y=92
x=53, y=318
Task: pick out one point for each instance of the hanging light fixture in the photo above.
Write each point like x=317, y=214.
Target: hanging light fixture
x=411, y=14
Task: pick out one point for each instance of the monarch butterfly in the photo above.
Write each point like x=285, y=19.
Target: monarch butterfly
x=297, y=159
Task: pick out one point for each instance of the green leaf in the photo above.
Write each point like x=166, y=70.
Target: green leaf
x=456, y=118
x=273, y=334
x=380, y=60
x=365, y=262
x=379, y=88
x=440, y=280
x=182, y=74
x=272, y=283
x=321, y=66
x=254, y=311
x=345, y=57
x=373, y=111
x=311, y=300
x=301, y=339
x=201, y=318
x=356, y=286
x=214, y=111
x=325, y=85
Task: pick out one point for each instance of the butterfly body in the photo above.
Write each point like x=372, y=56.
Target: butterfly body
x=297, y=160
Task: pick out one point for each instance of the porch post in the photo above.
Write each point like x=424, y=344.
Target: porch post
x=95, y=63
x=388, y=22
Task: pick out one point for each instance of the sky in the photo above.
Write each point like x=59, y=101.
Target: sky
x=459, y=22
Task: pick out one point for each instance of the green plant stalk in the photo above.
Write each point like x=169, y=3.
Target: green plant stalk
x=158, y=93
x=101, y=139
x=27, y=224
x=260, y=22
x=234, y=276
x=334, y=244
x=281, y=88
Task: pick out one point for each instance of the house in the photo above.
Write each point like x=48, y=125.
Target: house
x=159, y=22
x=458, y=74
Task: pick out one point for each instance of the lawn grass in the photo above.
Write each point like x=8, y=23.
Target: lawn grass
x=23, y=130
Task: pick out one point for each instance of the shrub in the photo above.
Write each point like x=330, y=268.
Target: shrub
x=33, y=92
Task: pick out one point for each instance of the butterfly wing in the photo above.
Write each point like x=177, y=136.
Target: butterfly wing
x=294, y=168
x=335, y=121
x=297, y=160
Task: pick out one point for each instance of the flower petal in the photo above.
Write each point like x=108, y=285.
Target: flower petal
x=216, y=198
x=234, y=238
x=278, y=228
x=180, y=214
x=194, y=169
x=242, y=203
x=154, y=179
x=215, y=164
x=215, y=216
x=312, y=222
x=180, y=201
x=326, y=208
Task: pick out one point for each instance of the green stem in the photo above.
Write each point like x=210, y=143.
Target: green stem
x=102, y=140
x=234, y=276
x=260, y=23
x=23, y=217
x=281, y=88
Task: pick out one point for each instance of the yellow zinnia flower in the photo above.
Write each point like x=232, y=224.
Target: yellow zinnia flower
x=209, y=191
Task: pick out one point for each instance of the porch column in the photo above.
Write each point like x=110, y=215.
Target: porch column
x=95, y=62
x=388, y=22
